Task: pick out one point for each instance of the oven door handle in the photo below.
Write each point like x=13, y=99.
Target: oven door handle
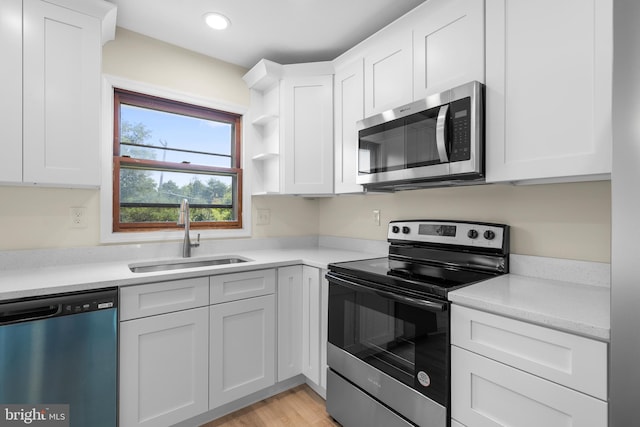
x=372, y=288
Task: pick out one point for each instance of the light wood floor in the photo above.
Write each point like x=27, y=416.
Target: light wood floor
x=299, y=406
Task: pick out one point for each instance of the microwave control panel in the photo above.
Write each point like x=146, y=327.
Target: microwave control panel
x=460, y=130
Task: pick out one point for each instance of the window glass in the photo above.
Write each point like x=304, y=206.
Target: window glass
x=165, y=152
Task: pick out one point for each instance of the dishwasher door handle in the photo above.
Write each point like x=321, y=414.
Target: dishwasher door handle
x=13, y=313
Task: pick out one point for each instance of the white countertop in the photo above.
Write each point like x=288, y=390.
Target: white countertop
x=21, y=283
x=578, y=308
x=572, y=307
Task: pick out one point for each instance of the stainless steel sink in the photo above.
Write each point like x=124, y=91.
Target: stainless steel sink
x=148, y=267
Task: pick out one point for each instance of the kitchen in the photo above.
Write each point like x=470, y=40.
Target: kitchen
x=563, y=220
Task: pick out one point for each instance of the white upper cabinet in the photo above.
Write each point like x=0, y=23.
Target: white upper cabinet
x=307, y=158
x=262, y=136
x=52, y=129
x=349, y=108
x=291, y=132
x=388, y=71
x=11, y=90
x=548, y=76
x=436, y=46
x=448, y=45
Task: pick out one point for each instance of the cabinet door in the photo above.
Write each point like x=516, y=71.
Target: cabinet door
x=349, y=108
x=485, y=393
x=11, y=90
x=324, y=327
x=307, y=157
x=388, y=71
x=448, y=45
x=311, y=323
x=163, y=368
x=242, y=345
x=549, y=77
x=62, y=66
x=289, y=322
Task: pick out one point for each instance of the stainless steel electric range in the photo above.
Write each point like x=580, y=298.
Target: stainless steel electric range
x=388, y=333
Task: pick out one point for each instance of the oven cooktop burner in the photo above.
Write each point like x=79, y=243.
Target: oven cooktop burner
x=434, y=257
x=420, y=278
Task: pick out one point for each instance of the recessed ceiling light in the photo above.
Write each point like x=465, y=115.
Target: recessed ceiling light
x=217, y=21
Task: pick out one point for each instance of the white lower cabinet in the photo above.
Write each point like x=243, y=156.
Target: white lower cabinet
x=303, y=297
x=324, y=327
x=163, y=364
x=315, y=302
x=242, y=346
x=506, y=372
x=486, y=393
x=183, y=353
x=189, y=346
x=311, y=323
x=289, y=322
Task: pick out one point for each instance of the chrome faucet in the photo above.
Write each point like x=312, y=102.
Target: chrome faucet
x=185, y=221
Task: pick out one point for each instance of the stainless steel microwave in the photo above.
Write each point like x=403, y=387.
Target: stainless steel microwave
x=436, y=141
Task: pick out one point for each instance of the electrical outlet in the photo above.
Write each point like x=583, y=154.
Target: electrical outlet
x=78, y=217
x=264, y=216
x=376, y=217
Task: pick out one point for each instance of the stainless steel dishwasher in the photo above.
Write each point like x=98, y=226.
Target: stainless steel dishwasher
x=61, y=350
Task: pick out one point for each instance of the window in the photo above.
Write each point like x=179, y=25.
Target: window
x=165, y=151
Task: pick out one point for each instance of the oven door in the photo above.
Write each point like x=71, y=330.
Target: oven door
x=392, y=344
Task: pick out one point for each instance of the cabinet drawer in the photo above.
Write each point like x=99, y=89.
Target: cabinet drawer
x=163, y=297
x=485, y=393
x=576, y=362
x=248, y=284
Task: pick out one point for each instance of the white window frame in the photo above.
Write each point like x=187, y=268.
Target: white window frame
x=107, y=235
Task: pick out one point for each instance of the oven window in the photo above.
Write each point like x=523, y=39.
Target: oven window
x=404, y=341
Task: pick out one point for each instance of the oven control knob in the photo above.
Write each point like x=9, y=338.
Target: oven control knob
x=472, y=234
x=395, y=229
x=489, y=235
x=406, y=230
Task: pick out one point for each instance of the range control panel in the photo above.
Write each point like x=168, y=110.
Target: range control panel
x=458, y=233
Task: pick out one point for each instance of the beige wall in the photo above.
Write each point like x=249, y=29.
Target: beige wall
x=555, y=220
x=563, y=220
x=35, y=218
x=143, y=59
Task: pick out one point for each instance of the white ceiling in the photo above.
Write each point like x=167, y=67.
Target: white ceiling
x=284, y=31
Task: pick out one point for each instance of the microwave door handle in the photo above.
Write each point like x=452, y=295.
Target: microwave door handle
x=441, y=141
